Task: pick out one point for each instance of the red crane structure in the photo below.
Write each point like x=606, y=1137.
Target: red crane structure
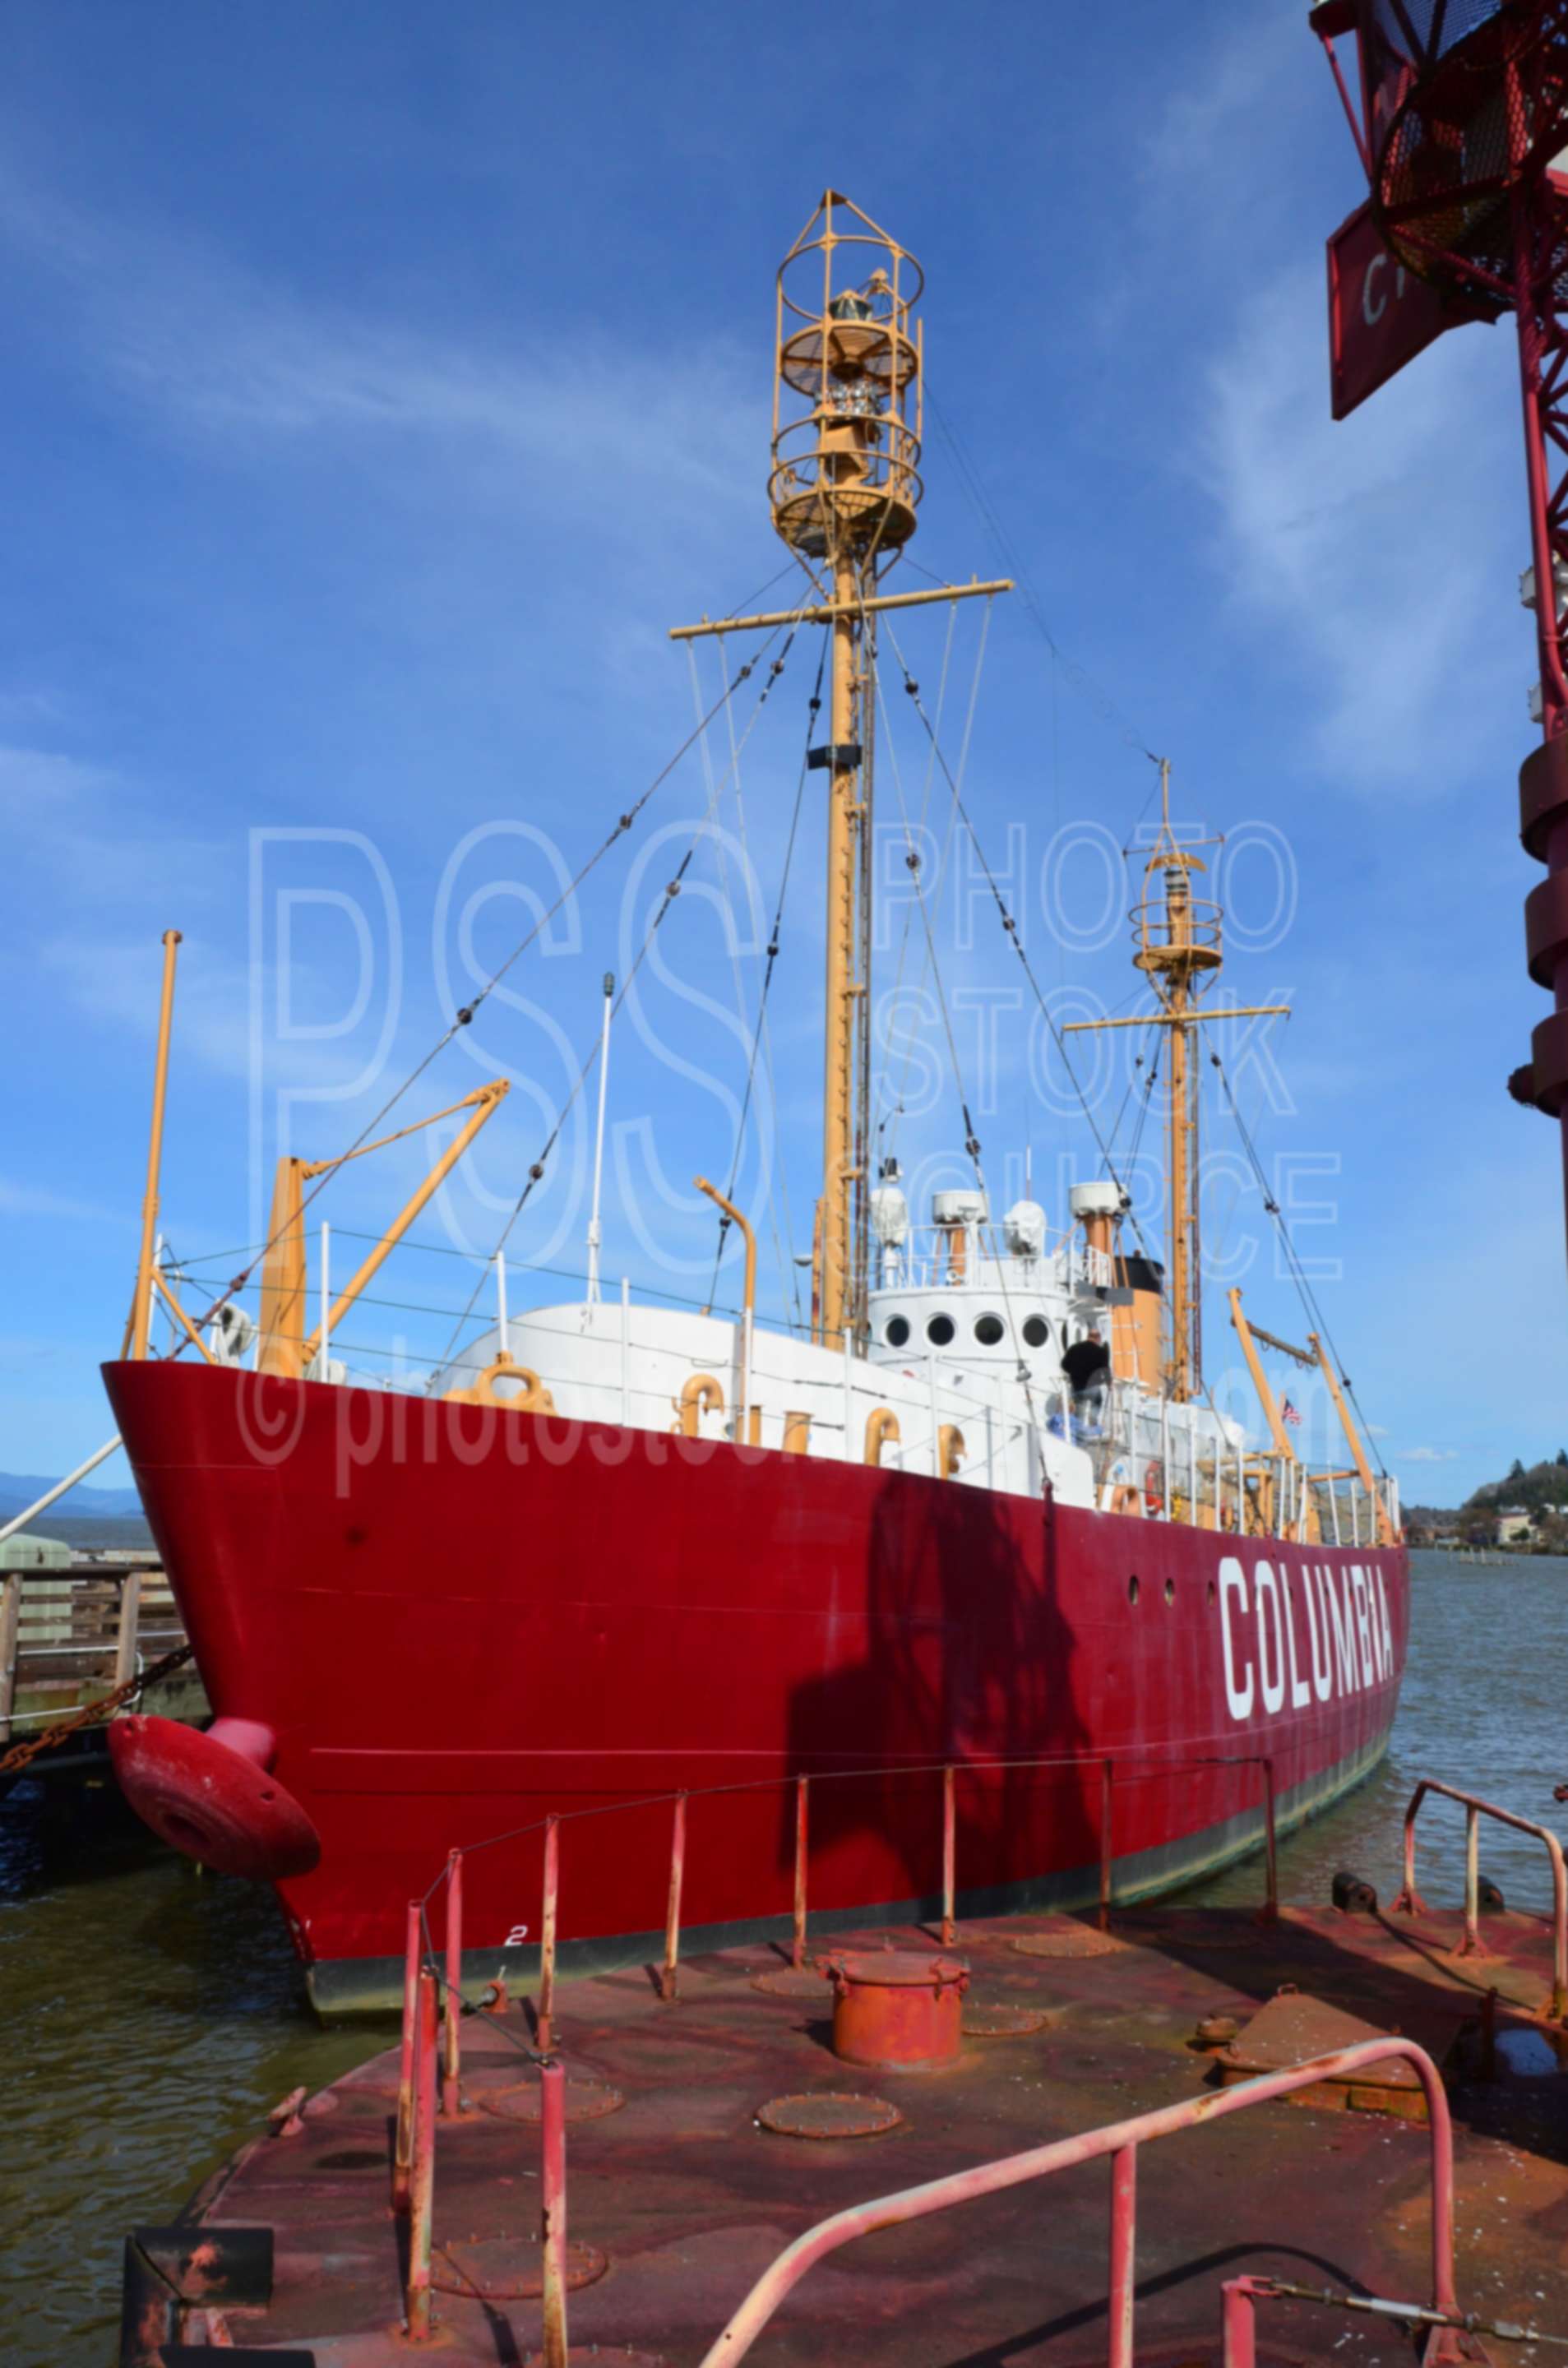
x=1459, y=110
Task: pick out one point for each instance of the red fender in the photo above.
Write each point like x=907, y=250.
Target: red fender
x=211, y=1796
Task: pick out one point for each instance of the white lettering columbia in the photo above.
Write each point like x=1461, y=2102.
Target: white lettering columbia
x=1348, y=1645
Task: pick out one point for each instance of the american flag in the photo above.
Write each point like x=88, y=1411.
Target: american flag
x=1289, y=1413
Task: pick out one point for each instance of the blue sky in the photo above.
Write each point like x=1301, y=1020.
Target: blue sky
x=382, y=384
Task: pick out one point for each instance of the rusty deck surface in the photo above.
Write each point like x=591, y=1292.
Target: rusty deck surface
x=688, y=2197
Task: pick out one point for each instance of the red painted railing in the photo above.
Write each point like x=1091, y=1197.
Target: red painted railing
x=1409, y=1902
x=430, y=2068
x=1120, y=2141
x=421, y=2078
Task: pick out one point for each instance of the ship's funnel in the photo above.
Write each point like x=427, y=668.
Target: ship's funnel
x=1100, y=1198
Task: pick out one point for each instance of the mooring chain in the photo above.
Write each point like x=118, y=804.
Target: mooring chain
x=93, y=1712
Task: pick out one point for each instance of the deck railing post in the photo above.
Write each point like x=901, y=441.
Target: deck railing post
x=1409, y=1902
x=10, y=1633
x=1440, y=2120
x=1107, y=1841
x=1560, y=1930
x=1120, y=2141
x=403, y=2153
x=1123, y=2252
x=543, y=2035
x=1471, y=1945
x=452, y=2001
x=1165, y=1457
x=669, y=1984
x=130, y=1623
x=1241, y=2323
x=1271, y=1911
x=798, y=1954
x=949, y=1857
x=422, y=2183
x=552, y=2212
x=625, y=1352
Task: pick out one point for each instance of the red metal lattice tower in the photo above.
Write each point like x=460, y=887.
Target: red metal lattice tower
x=1460, y=120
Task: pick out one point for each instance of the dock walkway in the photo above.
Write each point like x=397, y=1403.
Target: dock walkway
x=71, y=1633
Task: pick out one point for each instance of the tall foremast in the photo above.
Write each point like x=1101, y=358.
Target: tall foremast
x=844, y=489
x=1178, y=950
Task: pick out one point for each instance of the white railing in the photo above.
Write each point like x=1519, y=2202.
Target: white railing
x=635, y=1381
x=933, y=1257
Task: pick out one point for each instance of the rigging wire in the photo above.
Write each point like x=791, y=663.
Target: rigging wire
x=972, y=1140
x=537, y=1167
x=777, y=1179
x=1149, y=1083
x=1298, y=1272
x=813, y=710
x=895, y=1109
x=464, y=1016
x=1011, y=930
x=1097, y=697
x=912, y=856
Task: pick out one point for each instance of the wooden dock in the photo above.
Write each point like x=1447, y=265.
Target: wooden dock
x=74, y=1632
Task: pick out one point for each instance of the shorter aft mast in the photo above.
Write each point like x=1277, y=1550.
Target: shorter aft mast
x=1177, y=940
x=1179, y=946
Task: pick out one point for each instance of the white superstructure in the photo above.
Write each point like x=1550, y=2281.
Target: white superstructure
x=968, y=1325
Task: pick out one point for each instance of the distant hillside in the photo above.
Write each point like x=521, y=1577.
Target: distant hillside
x=20, y=1489
x=89, y=1532
x=1541, y=1489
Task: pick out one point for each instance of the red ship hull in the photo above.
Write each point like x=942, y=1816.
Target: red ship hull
x=453, y=1622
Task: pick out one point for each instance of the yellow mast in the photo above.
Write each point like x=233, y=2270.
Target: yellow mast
x=1178, y=949
x=1177, y=942
x=141, y=1306
x=844, y=491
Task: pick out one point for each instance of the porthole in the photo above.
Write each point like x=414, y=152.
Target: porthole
x=989, y=1330
x=897, y=1332
x=1037, y=1331
x=1170, y=1593
x=939, y=1331
x=1132, y=1589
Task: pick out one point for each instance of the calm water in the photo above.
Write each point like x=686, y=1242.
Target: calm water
x=153, y=2015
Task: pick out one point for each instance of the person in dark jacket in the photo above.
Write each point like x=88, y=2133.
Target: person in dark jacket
x=1087, y=1367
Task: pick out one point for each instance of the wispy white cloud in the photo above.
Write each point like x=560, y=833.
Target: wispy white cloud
x=114, y=981
x=1362, y=542
x=1195, y=130
x=81, y=820
x=163, y=317
x=1426, y=1455
x=19, y=1199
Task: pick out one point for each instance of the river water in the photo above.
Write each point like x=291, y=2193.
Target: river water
x=153, y=2015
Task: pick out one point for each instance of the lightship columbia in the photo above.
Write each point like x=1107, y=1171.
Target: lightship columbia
x=935, y=1528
